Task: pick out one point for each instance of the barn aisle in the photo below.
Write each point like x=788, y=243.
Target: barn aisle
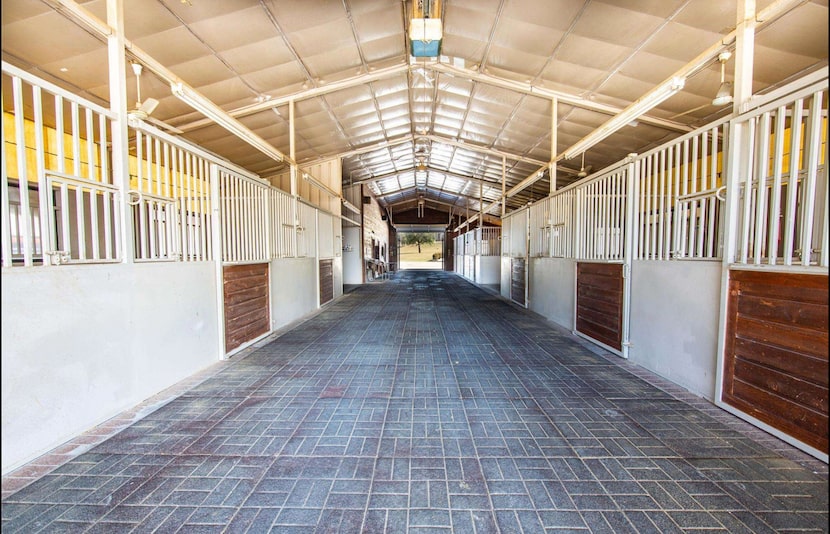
x=425, y=404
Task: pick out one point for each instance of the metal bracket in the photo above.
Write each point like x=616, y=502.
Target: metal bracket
x=59, y=257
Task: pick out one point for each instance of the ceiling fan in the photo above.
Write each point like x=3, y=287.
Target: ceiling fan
x=422, y=72
x=143, y=110
x=420, y=153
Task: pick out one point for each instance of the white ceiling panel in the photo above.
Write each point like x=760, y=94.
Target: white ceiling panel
x=322, y=54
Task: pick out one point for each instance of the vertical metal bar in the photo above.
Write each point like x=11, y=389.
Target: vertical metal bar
x=176, y=202
x=93, y=193
x=684, y=189
x=76, y=139
x=153, y=227
x=106, y=198
x=668, y=202
x=703, y=205
x=762, y=169
x=44, y=194
x=139, y=160
x=142, y=229
x=692, y=188
x=60, y=141
x=249, y=214
x=746, y=212
x=22, y=171
x=223, y=197
x=777, y=169
x=711, y=201
x=647, y=163
x=203, y=182
x=676, y=220
x=148, y=162
x=102, y=149
x=792, y=182
x=4, y=191
x=239, y=218
x=194, y=250
x=94, y=232
x=66, y=246
x=812, y=144
x=661, y=215
x=90, y=143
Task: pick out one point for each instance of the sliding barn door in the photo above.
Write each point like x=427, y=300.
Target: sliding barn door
x=326, y=280
x=775, y=361
x=599, y=302
x=246, y=303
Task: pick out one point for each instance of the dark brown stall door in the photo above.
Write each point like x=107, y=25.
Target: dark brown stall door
x=599, y=302
x=246, y=303
x=776, y=352
x=517, y=280
x=326, y=281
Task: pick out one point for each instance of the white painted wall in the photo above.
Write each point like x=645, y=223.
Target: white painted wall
x=81, y=344
x=551, y=287
x=674, y=321
x=293, y=290
x=352, y=260
x=488, y=270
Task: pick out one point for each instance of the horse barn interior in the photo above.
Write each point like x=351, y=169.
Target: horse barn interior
x=202, y=292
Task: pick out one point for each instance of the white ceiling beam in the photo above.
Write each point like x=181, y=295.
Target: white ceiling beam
x=566, y=98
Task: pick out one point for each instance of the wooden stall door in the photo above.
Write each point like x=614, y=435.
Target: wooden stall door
x=518, y=280
x=775, y=361
x=246, y=303
x=326, y=280
x=599, y=302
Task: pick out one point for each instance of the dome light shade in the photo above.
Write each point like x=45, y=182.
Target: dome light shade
x=724, y=95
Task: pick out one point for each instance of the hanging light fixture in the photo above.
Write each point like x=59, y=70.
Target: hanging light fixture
x=582, y=172
x=724, y=94
x=425, y=30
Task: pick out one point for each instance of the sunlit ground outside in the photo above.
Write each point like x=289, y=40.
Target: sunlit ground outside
x=428, y=258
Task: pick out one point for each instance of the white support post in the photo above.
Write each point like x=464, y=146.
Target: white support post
x=503, y=186
x=737, y=165
x=120, y=141
x=295, y=208
x=630, y=192
x=554, y=119
x=216, y=238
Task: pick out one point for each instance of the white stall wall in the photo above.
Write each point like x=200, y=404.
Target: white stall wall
x=352, y=259
x=674, y=321
x=552, y=285
x=81, y=344
x=293, y=290
x=488, y=270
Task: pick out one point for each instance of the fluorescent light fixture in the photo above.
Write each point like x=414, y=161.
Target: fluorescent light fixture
x=220, y=117
x=425, y=28
x=632, y=112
